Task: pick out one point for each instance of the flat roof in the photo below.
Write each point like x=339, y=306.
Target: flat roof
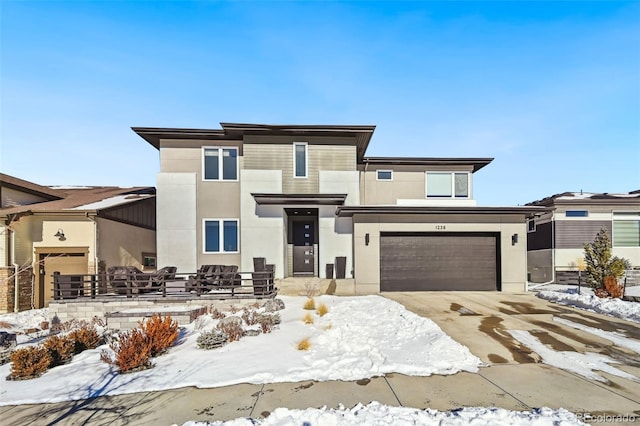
x=477, y=163
x=298, y=199
x=349, y=211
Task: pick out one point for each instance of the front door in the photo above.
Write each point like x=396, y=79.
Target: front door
x=303, y=239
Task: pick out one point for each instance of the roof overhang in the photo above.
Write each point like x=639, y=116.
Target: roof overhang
x=477, y=163
x=236, y=131
x=349, y=211
x=300, y=199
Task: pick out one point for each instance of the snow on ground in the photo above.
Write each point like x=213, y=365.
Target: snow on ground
x=378, y=414
x=360, y=337
x=26, y=320
x=567, y=295
x=583, y=364
x=616, y=338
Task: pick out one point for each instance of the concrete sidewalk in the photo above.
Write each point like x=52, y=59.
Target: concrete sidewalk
x=515, y=387
x=514, y=378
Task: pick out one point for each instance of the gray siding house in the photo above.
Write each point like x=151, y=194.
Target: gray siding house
x=307, y=196
x=555, y=243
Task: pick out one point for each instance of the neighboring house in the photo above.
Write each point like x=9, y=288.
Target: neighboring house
x=71, y=230
x=306, y=196
x=556, y=238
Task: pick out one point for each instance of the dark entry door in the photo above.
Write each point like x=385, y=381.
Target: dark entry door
x=303, y=239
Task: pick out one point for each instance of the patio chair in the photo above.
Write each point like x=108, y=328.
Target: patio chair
x=229, y=276
x=206, y=276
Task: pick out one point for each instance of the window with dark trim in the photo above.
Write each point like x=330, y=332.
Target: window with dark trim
x=300, y=159
x=149, y=260
x=531, y=225
x=576, y=213
x=384, y=175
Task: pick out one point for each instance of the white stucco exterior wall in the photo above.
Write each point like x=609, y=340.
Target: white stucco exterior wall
x=261, y=227
x=336, y=233
x=176, y=221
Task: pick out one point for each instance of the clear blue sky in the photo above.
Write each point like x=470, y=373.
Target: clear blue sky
x=550, y=89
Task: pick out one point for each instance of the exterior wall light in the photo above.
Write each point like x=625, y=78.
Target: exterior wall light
x=60, y=234
x=514, y=239
x=366, y=239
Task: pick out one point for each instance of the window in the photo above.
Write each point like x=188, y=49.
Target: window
x=576, y=213
x=300, y=159
x=384, y=175
x=531, y=225
x=448, y=185
x=626, y=229
x=148, y=260
x=221, y=236
x=220, y=159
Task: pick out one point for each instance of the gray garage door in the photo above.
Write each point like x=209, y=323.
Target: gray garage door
x=428, y=262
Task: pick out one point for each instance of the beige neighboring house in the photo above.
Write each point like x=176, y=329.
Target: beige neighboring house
x=73, y=230
x=306, y=197
x=556, y=239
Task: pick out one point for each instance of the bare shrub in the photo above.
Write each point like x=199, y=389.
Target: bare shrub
x=61, y=349
x=160, y=332
x=268, y=322
x=29, y=363
x=311, y=287
x=250, y=317
x=232, y=329
x=216, y=314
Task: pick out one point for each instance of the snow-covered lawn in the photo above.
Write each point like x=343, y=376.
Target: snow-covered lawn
x=567, y=295
x=360, y=337
x=378, y=414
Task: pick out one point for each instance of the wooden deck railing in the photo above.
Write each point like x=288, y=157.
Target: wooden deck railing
x=258, y=285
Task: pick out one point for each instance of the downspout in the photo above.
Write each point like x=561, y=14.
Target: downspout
x=95, y=243
x=16, y=273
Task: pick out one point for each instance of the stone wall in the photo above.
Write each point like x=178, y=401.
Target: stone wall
x=7, y=284
x=117, y=312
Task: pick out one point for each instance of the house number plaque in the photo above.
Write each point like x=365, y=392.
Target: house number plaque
x=440, y=227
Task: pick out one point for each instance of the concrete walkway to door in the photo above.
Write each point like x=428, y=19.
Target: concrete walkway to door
x=513, y=378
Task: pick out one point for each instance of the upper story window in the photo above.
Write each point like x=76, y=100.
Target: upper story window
x=531, y=225
x=576, y=213
x=220, y=164
x=448, y=185
x=221, y=236
x=300, y=159
x=384, y=175
x=626, y=229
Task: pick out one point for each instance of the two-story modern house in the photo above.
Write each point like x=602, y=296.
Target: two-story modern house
x=304, y=196
x=556, y=238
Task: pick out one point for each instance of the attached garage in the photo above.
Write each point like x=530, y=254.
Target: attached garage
x=439, y=261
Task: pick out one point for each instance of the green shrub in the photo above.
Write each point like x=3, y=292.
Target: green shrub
x=600, y=264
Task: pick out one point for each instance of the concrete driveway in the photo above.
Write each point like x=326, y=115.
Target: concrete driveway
x=514, y=378
x=480, y=320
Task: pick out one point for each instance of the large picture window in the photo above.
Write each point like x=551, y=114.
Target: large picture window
x=300, y=159
x=221, y=236
x=626, y=229
x=448, y=185
x=220, y=164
